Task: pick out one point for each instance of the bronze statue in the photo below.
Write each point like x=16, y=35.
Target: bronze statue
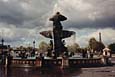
x=57, y=35
x=56, y=20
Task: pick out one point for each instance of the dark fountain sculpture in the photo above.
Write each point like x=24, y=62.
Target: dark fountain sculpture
x=57, y=36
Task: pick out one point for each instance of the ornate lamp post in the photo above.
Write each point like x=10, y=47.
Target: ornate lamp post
x=33, y=48
x=2, y=41
x=34, y=44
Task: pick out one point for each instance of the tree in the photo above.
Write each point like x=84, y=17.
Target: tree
x=73, y=48
x=112, y=47
x=100, y=46
x=95, y=45
x=43, y=46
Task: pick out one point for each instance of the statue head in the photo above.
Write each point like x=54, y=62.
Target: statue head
x=57, y=12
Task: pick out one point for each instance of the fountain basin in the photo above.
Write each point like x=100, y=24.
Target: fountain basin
x=63, y=34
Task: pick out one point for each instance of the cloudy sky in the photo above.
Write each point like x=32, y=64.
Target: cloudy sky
x=22, y=20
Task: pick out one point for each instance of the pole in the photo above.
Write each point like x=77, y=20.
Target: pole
x=53, y=41
x=33, y=47
x=34, y=44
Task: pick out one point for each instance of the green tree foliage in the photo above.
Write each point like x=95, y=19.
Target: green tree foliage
x=43, y=46
x=95, y=45
x=112, y=47
x=73, y=48
x=100, y=46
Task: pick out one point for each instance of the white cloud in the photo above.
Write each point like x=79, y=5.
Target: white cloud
x=107, y=35
x=83, y=35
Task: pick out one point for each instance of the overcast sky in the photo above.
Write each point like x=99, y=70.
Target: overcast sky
x=22, y=20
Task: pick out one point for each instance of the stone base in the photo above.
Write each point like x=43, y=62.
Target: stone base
x=78, y=62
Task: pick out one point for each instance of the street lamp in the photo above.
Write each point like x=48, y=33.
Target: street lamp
x=2, y=41
x=33, y=48
x=34, y=44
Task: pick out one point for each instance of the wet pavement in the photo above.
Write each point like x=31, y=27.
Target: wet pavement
x=98, y=72
x=106, y=71
x=36, y=72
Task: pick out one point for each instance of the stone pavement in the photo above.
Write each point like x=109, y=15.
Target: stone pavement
x=106, y=71
x=98, y=72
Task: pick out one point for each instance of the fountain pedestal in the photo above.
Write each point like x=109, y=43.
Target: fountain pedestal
x=57, y=35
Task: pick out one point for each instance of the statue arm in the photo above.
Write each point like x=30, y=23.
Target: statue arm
x=51, y=19
x=62, y=18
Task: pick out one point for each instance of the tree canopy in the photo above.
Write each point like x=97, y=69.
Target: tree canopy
x=73, y=48
x=43, y=46
x=112, y=47
x=96, y=45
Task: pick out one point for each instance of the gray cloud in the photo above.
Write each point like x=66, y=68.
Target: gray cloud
x=11, y=12
x=22, y=20
x=25, y=14
x=80, y=13
x=88, y=13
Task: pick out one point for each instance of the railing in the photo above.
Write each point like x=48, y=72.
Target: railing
x=56, y=62
x=26, y=62
x=85, y=62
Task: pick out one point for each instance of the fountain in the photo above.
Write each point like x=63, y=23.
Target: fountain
x=57, y=35
x=58, y=49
